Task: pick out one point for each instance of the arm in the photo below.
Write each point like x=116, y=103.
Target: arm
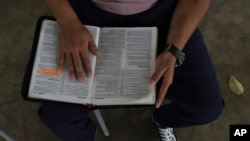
x=63, y=12
x=186, y=18
x=74, y=40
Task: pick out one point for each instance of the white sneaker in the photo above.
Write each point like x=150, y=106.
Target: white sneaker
x=166, y=134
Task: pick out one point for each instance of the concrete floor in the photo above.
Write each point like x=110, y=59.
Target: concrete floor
x=228, y=39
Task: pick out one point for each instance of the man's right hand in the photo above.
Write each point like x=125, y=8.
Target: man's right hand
x=75, y=42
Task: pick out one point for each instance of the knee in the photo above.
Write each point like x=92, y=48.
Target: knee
x=68, y=122
x=208, y=113
x=51, y=114
x=45, y=117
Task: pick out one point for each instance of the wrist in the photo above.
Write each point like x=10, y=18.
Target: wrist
x=70, y=23
x=176, y=53
x=63, y=12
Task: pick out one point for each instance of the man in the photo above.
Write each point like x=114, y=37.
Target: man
x=184, y=73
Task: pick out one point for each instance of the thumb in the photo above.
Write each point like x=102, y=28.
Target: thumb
x=93, y=49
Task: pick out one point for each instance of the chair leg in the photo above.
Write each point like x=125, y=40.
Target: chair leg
x=5, y=136
x=101, y=122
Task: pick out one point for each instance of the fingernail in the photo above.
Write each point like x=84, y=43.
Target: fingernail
x=81, y=79
x=72, y=77
x=98, y=54
x=59, y=69
x=157, y=106
x=151, y=83
x=89, y=74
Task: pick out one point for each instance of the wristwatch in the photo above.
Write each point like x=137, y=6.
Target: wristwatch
x=180, y=56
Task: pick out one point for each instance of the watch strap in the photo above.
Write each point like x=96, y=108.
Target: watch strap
x=180, y=56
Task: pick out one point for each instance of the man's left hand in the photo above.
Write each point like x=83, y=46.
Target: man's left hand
x=164, y=68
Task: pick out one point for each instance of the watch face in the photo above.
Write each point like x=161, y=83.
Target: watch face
x=180, y=59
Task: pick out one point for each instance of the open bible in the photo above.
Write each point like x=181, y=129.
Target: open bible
x=119, y=76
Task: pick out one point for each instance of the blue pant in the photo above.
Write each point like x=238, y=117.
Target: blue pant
x=195, y=93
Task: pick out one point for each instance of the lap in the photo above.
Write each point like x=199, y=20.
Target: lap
x=62, y=112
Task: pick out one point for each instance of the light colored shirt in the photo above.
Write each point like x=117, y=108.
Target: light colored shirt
x=125, y=7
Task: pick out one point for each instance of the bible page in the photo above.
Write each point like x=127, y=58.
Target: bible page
x=47, y=82
x=122, y=71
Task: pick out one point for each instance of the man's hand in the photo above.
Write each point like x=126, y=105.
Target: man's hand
x=74, y=43
x=165, y=65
